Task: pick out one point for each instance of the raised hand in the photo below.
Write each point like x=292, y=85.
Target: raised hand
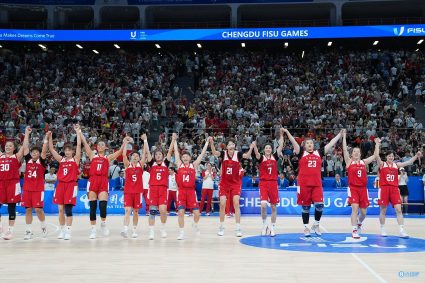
x=377, y=140
x=28, y=130
x=77, y=128
x=174, y=137
x=144, y=137
x=419, y=154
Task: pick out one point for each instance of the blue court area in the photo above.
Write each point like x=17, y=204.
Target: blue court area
x=336, y=243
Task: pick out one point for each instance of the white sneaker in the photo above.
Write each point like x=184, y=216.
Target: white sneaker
x=8, y=235
x=383, y=233
x=67, y=236
x=44, y=232
x=355, y=234
x=316, y=229
x=196, y=229
x=93, y=234
x=151, y=234
x=124, y=234
x=163, y=233
x=181, y=236
x=61, y=234
x=272, y=232
x=307, y=232
x=28, y=235
x=265, y=230
x=238, y=232
x=403, y=234
x=220, y=231
x=104, y=229
x=134, y=235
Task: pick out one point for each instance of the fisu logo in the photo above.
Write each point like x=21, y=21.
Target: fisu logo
x=398, y=32
x=133, y=34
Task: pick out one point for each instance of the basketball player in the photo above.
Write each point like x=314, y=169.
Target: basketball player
x=98, y=184
x=10, y=188
x=186, y=177
x=231, y=181
x=33, y=188
x=310, y=180
x=65, y=195
x=358, y=196
x=133, y=189
x=388, y=189
x=269, y=192
x=158, y=185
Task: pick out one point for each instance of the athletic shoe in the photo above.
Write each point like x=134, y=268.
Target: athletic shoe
x=8, y=235
x=228, y=215
x=404, y=235
x=238, y=232
x=355, y=234
x=163, y=233
x=196, y=229
x=61, y=234
x=316, y=229
x=272, y=232
x=67, y=236
x=151, y=234
x=93, y=234
x=134, y=235
x=383, y=233
x=181, y=236
x=265, y=230
x=44, y=232
x=28, y=235
x=220, y=231
x=104, y=229
x=124, y=234
x=208, y=214
x=307, y=232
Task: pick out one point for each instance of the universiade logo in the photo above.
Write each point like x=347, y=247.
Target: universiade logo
x=397, y=32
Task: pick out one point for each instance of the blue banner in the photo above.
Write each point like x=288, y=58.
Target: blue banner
x=213, y=34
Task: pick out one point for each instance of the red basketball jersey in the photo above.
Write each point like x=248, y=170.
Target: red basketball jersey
x=34, y=176
x=388, y=175
x=186, y=176
x=9, y=167
x=134, y=179
x=268, y=168
x=68, y=171
x=310, y=166
x=230, y=169
x=357, y=175
x=99, y=166
x=159, y=175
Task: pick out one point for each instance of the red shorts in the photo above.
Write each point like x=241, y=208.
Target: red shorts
x=10, y=191
x=358, y=195
x=65, y=193
x=269, y=192
x=306, y=195
x=389, y=194
x=186, y=198
x=157, y=195
x=98, y=184
x=33, y=199
x=133, y=200
x=229, y=191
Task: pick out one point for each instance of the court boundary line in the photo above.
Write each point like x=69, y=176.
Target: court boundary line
x=370, y=269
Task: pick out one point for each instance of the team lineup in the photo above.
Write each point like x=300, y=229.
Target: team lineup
x=309, y=190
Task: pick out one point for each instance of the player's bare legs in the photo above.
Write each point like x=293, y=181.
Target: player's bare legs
x=400, y=220
x=382, y=213
x=264, y=217
x=152, y=212
x=273, y=219
x=236, y=205
x=124, y=232
x=361, y=218
x=135, y=222
x=196, y=216
x=163, y=216
x=354, y=220
x=181, y=223
x=223, y=201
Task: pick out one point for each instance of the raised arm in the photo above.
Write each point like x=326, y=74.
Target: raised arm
x=410, y=162
x=333, y=142
x=25, y=144
x=281, y=142
x=87, y=148
x=45, y=147
x=198, y=160
x=146, y=148
x=347, y=158
x=176, y=150
x=213, y=150
x=52, y=150
x=256, y=152
x=171, y=148
x=294, y=143
x=116, y=154
x=247, y=154
x=377, y=157
x=124, y=156
x=77, y=156
x=370, y=159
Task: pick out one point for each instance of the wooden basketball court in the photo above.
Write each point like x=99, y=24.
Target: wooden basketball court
x=207, y=258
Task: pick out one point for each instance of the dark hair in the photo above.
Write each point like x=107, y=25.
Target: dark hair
x=269, y=145
x=35, y=148
x=231, y=140
x=68, y=146
x=389, y=152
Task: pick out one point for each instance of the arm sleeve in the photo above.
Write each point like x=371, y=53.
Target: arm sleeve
x=28, y=157
x=300, y=154
x=322, y=152
x=240, y=156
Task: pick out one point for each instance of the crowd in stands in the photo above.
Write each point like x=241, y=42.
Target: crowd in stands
x=247, y=95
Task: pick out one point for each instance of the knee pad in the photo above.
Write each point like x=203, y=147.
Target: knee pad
x=181, y=207
x=68, y=210
x=93, y=208
x=195, y=209
x=11, y=209
x=305, y=209
x=153, y=210
x=102, y=208
x=319, y=206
